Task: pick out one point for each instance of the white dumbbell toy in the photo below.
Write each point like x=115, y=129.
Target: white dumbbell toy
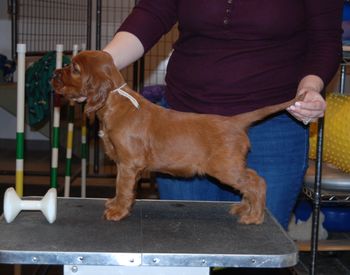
x=13, y=205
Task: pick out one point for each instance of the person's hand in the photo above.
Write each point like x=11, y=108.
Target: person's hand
x=313, y=106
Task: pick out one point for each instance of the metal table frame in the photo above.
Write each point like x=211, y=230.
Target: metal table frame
x=159, y=237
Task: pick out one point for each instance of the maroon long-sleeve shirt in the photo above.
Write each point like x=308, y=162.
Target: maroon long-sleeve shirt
x=233, y=56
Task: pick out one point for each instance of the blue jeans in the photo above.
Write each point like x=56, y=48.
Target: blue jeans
x=279, y=153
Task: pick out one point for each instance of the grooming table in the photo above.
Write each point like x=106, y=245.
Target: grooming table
x=160, y=237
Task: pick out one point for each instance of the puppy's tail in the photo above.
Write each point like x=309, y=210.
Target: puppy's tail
x=246, y=119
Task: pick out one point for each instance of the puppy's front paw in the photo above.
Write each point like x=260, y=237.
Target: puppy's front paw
x=246, y=214
x=115, y=214
x=240, y=209
x=251, y=219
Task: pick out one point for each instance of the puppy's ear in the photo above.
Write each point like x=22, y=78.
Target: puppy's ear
x=97, y=94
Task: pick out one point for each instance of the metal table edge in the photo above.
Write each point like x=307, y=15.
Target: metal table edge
x=223, y=260
x=70, y=258
x=149, y=259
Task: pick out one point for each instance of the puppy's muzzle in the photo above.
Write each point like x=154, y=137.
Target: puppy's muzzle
x=57, y=75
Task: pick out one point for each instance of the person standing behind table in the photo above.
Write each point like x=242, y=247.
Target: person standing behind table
x=236, y=56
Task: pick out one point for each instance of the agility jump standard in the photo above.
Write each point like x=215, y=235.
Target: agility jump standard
x=21, y=50
x=70, y=133
x=84, y=147
x=56, y=124
x=12, y=202
x=84, y=154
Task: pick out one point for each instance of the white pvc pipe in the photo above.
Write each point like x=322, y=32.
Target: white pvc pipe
x=67, y=179
x=75, y=49
x=83, y=141
x=21, y=51
x=56, y=124
x=59, y=55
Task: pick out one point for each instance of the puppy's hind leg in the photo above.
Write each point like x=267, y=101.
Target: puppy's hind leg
x=120, y=206
x=251, y=210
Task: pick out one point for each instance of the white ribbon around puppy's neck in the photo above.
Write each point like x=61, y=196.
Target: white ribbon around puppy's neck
x=120, y=91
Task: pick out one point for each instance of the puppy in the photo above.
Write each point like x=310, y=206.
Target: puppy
x=139, y=136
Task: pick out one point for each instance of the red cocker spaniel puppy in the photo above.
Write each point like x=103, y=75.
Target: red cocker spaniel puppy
x=139, y=136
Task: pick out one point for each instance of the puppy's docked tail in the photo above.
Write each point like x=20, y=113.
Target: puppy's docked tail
x=246, y=119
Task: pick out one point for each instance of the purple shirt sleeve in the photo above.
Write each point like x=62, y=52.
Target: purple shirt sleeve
x=150, y=20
